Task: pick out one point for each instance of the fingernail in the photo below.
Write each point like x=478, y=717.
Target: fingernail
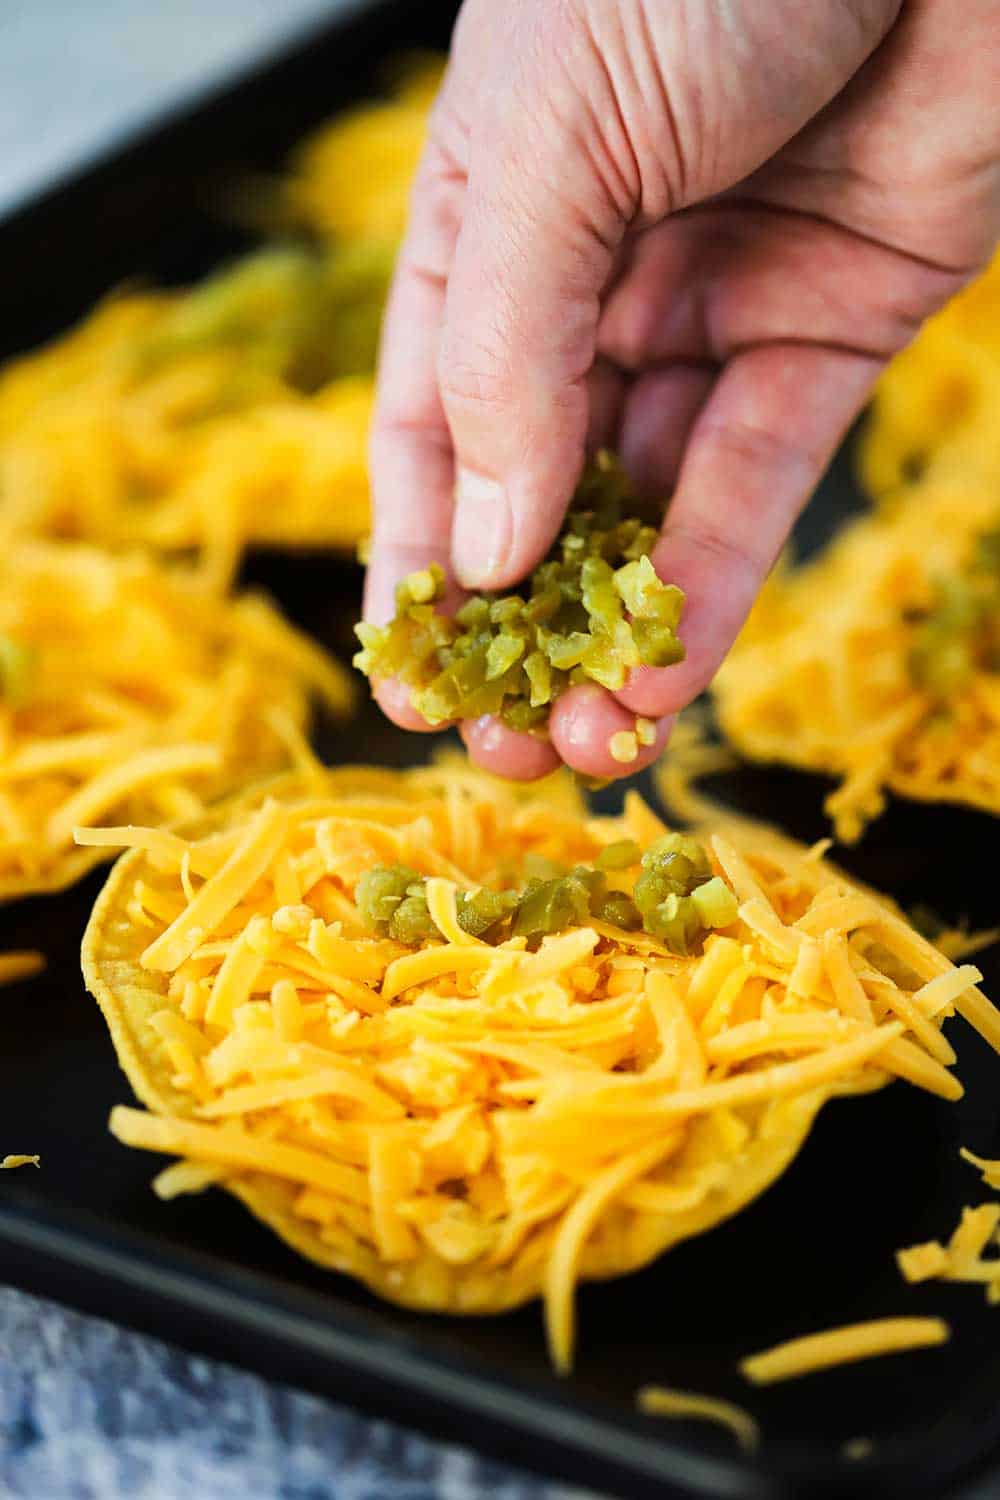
x=482, y=530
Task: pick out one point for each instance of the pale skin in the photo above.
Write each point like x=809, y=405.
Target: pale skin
x=692, y=230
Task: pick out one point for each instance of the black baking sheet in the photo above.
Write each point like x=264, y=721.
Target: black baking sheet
x=817, y=1249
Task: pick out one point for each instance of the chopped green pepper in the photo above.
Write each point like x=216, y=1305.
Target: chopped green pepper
x=591, y=611
x=958, y=634
x=677, y=899
x=308, y=316
x=621, y=855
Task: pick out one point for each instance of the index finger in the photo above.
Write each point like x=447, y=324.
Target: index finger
x=410, y=450
x=411, y=461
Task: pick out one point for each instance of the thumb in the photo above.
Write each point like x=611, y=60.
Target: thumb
x=532, y=258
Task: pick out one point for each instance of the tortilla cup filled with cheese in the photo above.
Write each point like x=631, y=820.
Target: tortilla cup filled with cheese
x=478, y=1116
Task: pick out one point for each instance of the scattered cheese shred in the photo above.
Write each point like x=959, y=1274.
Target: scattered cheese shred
x=20, y=1161
x=841, y=1346
x=129, y=693
x=661, y=1401
x=989, y=1169
x=441, y=903
x=923, y=1262
x=464, y=1126
x=24, y=965
x=963, y=1258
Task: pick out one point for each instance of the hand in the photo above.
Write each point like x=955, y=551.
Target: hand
x=694, y=231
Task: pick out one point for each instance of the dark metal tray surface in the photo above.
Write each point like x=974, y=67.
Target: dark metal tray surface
x=817, y=1249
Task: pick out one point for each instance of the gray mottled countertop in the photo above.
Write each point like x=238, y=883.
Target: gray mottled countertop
x=75, y=75
x=89, y=1411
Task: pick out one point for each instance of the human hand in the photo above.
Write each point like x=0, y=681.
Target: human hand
x=695, y=233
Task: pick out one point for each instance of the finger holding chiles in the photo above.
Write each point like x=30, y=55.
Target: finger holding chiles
x=531, y=673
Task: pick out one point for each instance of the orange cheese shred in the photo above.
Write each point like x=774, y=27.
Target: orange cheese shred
x=662, y=1401
x=130, y=693
x=841, y=1346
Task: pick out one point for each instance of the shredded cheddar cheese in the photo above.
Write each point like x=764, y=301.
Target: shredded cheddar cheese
x=937, y=407
x=989, y=1169
x=200, y=449
x=963, y=1258
x=234, y=412
x=23, y=965
x=821, y=676
x=464, y=1125
x=841, y=1346
x=130, y=692
x=661, y=1401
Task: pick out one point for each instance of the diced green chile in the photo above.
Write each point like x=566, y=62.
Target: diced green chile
x=549, y=906
x=479, y=911
x=379, y=892
x=621, y=855
x=673, y=870
x=593, y=610
x=677, y=899
x=959, y=633
x=618, y=909
x=307, y=315
x=411, y=922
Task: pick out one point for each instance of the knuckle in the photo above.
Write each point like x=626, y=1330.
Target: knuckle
x=731, y=549
x=473, y=373
x=872, y=17
x=464, y=384
x=759, y=449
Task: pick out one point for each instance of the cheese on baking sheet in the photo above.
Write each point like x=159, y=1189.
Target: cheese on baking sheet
x=964, y=1257
x=662, y=1401
x=841, y=1346
x=23, y=965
